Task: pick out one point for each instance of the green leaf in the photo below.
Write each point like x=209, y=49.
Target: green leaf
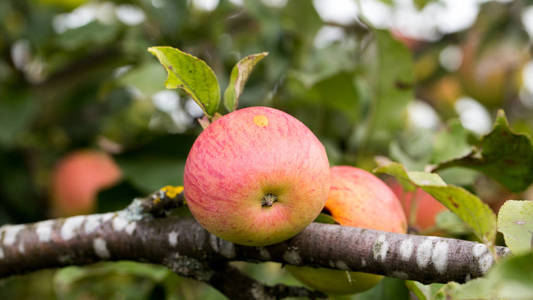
x=502, y=154
x=451, y=142
x=510, y=279
x=17, y=110
x=192, y=75
x=325, y=218
x=239, y=75
x=515, y=222
x=422, y=291
x=465, y=205
x=392, y=77
x=449, y=222
x=387, y=288
x=420, y=4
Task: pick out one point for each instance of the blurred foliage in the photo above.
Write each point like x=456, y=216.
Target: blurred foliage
x=76, y=74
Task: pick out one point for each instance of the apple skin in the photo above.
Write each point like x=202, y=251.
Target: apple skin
x=78, y=177
x=246, y=155
x=357, y=198
x=428, y=207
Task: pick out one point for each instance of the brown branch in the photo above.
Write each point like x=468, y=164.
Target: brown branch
x=183, y=244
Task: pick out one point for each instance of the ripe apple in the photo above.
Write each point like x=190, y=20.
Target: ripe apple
x=77, y=178
x=256, y=176
x=357, y=198
x=427, y=208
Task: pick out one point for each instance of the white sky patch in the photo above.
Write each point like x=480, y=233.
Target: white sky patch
x=338, y=11
x=327, y=35
x=193, y=109
x=451, y=57
x=44, y=230
x=527, y=20
x=71, y=225
x=377, y=12
x=473, y=115
x=440, y=256
x=167, y=101
x=275, y=3
x=205, y=5
x=422, y=115
x=526, y=93
x=21, y=247
x=100, y=248
x=130, y=14
x=173, y=238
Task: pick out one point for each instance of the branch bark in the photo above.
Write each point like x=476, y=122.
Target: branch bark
x=146, y=232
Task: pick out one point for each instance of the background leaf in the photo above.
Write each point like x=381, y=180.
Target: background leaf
x=239, y=75
x=511, y=278
x=190, y=74
x=515, y=221
x=503, y=155
x=465, y=205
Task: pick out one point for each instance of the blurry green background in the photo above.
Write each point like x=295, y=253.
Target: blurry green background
x=413, y=80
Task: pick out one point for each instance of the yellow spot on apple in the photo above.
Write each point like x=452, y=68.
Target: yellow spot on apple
x=260, y=120
x=172, y=191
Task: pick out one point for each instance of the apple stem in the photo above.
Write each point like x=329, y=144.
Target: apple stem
x=268, y=200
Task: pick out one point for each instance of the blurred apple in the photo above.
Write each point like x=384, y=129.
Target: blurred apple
x=357, y=198
x=77, y=178
x=420, y=207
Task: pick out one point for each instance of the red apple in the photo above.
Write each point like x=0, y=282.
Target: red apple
x=77, y=178
x=357, y=198
x=427, y=208
x=256, y=176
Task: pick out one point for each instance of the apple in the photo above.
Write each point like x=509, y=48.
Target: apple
x=357, y=198
x=256, y=176
x=427, y=208
x=77, y=178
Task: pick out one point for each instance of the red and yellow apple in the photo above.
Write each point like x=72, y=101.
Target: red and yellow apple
x=256, y=176
x=77, y=178
x=426, y=208
x=357, y=198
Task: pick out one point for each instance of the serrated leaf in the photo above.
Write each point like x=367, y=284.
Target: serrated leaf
x=465, y=205
x=502, y=154
x=239, y=75
x=515, y=222
x=192, y=75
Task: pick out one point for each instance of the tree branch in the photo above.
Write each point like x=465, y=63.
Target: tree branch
x=183, y=244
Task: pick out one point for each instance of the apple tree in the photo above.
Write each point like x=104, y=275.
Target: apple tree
x=102, y=103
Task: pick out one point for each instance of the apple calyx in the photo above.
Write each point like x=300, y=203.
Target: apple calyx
x=268, y=200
